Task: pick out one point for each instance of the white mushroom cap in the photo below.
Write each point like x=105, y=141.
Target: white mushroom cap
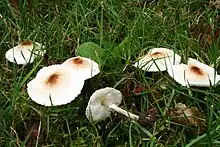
x=158, y=59
x=55, y=85
x=24, y=53
x=85, y=66
x=97, y=108
x=194, y=74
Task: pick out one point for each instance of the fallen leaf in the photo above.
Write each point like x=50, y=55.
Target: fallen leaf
x=32, y=129
x=126, y=91
x=148, y=117
x=139, y=89
x=210, y=37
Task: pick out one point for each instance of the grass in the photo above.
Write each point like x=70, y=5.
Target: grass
x=126, y=29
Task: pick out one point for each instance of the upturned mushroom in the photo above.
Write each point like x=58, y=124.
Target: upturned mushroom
x=194, y=73
x=24, y=53
x=103, y=102
x=55, y=85
x=158, y=59
x=85, y=66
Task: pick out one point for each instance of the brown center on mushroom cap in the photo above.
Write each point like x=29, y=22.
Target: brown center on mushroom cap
x=53, y=79
x=157, y=55
x=25, y=43
x=196, y=70
x=78, y=60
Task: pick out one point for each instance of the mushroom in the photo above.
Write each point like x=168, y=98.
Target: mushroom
x=24, y=53
x=158, y=59
x=194, y=73
x=187, y=116
x=85, y=66
x=55, y=85
x=103, y=101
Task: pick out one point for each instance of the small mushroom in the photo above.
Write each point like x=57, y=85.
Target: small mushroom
x=194, y=74
x=24, y=53
x=158, y=59
x=55, y=85
x=103, y=101
x=187, y=116
x=85, y=66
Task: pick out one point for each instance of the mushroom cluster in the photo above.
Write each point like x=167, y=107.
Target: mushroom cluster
x=194, y=73
x=60, y=84
x=57, y=84
x=104, y=101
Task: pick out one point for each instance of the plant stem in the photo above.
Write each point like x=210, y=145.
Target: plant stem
x=124, y=112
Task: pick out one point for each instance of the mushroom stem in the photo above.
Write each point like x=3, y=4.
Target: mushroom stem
x=124, y=112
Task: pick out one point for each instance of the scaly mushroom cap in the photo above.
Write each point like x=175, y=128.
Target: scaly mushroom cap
x=86, y=67
x=194, y=74
x=24, y=53
x=97, y=108
x=158, y=59
x=55, y=85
